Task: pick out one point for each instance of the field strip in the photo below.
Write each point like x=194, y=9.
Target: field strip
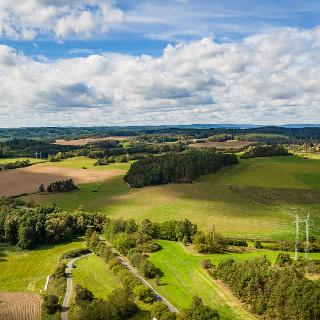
x=65, y=304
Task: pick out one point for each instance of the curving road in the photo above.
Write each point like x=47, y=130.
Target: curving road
x=65, y=305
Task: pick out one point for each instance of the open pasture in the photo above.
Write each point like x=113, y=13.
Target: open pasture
x=23, y=270
x=82, y=142
x=93, y=273
x=183, y=277
x=10, y=160
x=256, y=198
x=19, y=306
x=28, y=180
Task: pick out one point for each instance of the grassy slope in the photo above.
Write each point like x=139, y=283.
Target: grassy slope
x=93, y=273
x=258, y=197
x=28, y=270
x=184, y=277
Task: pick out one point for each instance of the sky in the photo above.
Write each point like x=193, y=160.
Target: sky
x=152, y=62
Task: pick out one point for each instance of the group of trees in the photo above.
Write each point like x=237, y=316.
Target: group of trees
x=133, y=287
x=183, y=167
x=27, y=228
x=16, y=164
x=112, y=159
x=118, y=305
x=59, y=186
x=276, y=292
x=211, y=242
x=265, y=151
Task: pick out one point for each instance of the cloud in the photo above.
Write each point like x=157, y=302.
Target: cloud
x=21, y=19
x=266, y=78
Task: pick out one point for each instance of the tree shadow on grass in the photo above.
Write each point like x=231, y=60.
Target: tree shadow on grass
x=2, y=255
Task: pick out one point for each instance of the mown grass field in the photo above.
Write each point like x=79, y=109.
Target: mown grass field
x=93, y=273
x=27, y=270
x=88, y=163
x=183, y=277
x=256, y=198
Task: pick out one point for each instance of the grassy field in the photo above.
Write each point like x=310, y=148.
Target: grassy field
x=93, y=273
x=256, y=198
x=80, y=162
x=184, y=277
x=28, y=270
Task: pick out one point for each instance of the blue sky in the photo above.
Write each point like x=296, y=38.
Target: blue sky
x=158, y=62
x=151, y=25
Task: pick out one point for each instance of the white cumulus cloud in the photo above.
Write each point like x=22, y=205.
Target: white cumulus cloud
x=25, y=19
x=267, y=78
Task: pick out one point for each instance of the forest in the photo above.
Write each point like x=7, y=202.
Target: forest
x=177, y=168
x=276, y=292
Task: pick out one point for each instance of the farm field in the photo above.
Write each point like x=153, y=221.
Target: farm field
x=230, y=144
x=18, y=306
x=257, y=198
x=45, y=173
x=184, y=277
x=93, y=273
x=82, y=142
x=27, y=270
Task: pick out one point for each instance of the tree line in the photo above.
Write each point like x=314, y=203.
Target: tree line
x=177, y=168
x=59, y=186
x=28, y=228
x=265, y=151
x=15, y=165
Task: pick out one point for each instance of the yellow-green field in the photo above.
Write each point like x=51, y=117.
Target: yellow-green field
x=22, y=270
x=183, y=277
x=256, y=198
x=93, y=273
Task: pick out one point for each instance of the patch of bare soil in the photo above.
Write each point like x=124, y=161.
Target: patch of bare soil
x=27, y=180
x=19, y=306
x=82, y=142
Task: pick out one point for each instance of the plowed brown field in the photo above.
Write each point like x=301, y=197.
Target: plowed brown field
x=19, y=306
x=28, y=180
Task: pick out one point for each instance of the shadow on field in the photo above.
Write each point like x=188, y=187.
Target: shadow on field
x=50, y=246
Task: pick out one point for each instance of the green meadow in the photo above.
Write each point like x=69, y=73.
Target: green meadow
x=183, y=277
x=93, y=273
x=257, y=198
x=22, y=270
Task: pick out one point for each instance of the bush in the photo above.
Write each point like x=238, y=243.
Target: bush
x=51, y=303
x=160, y=311
x=143, y=294
x=283, y=260
x=206, y=264
x=82, y=294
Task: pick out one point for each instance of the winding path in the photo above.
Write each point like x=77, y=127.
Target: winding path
x=65, y=305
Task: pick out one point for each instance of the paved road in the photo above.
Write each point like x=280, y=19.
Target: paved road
x=65, y=305
x=126, y=264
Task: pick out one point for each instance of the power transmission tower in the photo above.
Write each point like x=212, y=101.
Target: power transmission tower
x=307, y=246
